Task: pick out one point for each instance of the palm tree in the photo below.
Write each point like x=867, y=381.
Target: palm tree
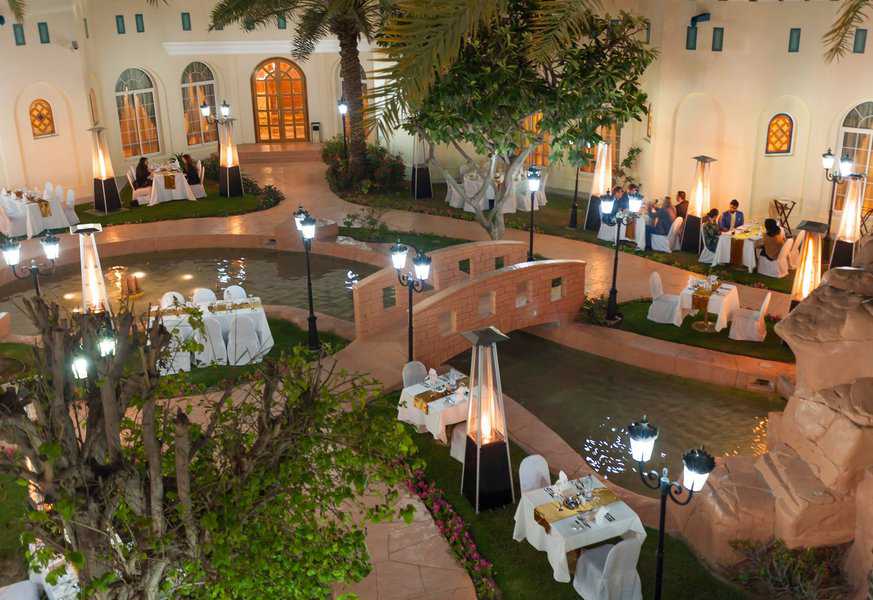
x=348, y=20
x=838, y=38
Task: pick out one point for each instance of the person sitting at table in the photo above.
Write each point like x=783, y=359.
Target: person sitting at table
x=773, y=240
x=619, y=202
x=732, y=218
x=681, y=205
x=711, y=230
x=142, y=174
x=189, y=167
x=663, y=220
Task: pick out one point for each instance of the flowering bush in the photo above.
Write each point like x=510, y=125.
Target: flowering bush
x=455, y=530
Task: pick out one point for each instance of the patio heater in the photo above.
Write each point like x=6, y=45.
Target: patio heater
x=94, y=296
x=486, y=479
x=698, y=205
x=808, y=274
x=849, y=231
x=601, y=185
x=106, y=198
x=229, y=177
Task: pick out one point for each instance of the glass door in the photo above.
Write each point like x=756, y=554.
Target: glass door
x=279, y=94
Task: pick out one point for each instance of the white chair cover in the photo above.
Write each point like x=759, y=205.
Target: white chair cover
x=459, y=442
x=671, y=241
x=533, y=473
x=177, y=359
x=172, y=299
x=609, y=572
x=70, y=208
x=749, y=325
x=197, y=188
x=23, y=590
x=541, y=193
x=665, y=308
x=794, y=256
x=607, y=232
x=454, y=198
x=13, y=221
x=203, y=296
x=47, y=190
x=414, y=372
x=214, y=349
x=234, y=293
x=141, y=194
x=776, y=268
x=243, y=346
x=59, y=194
x=706, y=255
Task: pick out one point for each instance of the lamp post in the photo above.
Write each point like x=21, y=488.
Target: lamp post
x=533, y=186
x=698, y=465
x=414, y=280
x=51, y=246
x=622, y=217
x=305, y=224
x=343, y=109
x=224, y=114
x=835, y=174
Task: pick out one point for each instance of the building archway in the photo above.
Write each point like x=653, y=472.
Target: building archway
x=279, y=101
x=856, y=142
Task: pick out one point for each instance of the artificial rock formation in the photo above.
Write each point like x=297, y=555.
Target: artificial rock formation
x=814, y=486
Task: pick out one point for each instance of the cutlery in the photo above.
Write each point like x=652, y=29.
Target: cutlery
x=609, y=517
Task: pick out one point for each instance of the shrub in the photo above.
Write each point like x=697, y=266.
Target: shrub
x=383, y=171
x=594, y=310
x=270, y=197
x=210, y=167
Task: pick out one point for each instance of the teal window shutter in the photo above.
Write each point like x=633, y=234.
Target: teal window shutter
x=18, y=34
x=119, y=24
x=186, y=21
x=717, y=39
x=691, y=38
x=860, y=41
x=43, y=29
x=281, y=22
x=794, y=39
x=140, y=23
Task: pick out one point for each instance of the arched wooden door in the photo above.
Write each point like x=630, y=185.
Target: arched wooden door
x=279, y=99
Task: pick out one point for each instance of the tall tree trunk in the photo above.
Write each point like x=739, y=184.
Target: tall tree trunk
x=350, y=69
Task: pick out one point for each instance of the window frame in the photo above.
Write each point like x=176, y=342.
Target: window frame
x=186, y=21
x=120, y=28
x=18, y=34
x=185, y=86
x=794, y=35
x=139, y=22
x=859, y=42
x=691, y=38
x=133, y=93
x=718, y=39
x=51, y=114
x=791, y=135
x=43, y=32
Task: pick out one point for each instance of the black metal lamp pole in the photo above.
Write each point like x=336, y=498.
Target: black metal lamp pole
x=412, y=285
x=530, y=253
x=533, y=186
x=314, y=343
x=623, y=217
x=835, y=174
x=343, y=109
x=574, y=209
x=413, y=281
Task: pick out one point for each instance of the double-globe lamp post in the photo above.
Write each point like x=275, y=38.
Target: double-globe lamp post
x=621, y=218
x=223, y=115
x=533, y=186
x=106, y=343
x=414, y=280
x=835, y=176
x=698, y=465
x=51, y=246
x=343, y=107
x=305, y=224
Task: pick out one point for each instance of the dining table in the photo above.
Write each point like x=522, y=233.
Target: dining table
x=168, y=185
x=558, y=530
x=28, y=213
x=433, y=407
x=737, y=247
x=722, y=300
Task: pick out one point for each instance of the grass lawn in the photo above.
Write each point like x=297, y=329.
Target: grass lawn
x=211, y=206
x=425, y=242
x=553, y=220
x=522, y=572
x=635, y=320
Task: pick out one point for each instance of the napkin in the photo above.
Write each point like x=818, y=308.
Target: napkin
x=562, y=482
x=432, y=377
x=460, y=394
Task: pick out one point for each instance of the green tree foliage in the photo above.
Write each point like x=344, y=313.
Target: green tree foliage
x=254, y=492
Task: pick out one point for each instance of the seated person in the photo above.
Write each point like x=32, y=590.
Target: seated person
x=620, y=201
x=189, y=167
x=731, y=218
x=662, y=222
x=711, y=230
x=681, y=205
x=142, y=175
x=773, y=240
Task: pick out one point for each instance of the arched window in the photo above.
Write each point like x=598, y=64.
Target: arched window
x=612, y=136
x=198, y=86
x=856, y=140
x=780, y=134
x=540, y=155
x=42, y=120
x=137, y=113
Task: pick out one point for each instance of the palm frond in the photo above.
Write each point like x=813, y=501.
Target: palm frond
x=16, y=7
x=312, y=27
x=250, y=12
x=837, y=40
x=557, y=23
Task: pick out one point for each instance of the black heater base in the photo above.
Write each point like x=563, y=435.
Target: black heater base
x=592, y=216
x=106, y=198
x=843, y=254
x=495, y=483
x=229, y=182
x=691, y=234
x=420, y=185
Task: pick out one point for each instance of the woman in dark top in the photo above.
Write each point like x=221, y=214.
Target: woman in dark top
x=664, y=217
x=189, y=167
x=142, y=174
x=773, y=240
x=711, y=230
x=681, y=204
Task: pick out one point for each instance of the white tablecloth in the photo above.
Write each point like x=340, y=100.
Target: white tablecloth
x=472, y=185
x=564, y=537
x=723, y=251
x=26, y=218
x=160, y=193
x=440, y=414
x=723, y=302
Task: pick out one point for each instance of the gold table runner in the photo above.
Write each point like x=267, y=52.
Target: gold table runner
x=548, y=513
x=170, y=182
x=422, y=400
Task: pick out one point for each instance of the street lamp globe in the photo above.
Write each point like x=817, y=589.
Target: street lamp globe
x=307, y=227
x=80, y=366
x=205, y=110
x=11, y=253
x=299, y=215
x=398, y=255
x=51, y=245
x=421, y=266
x=533, y=179
x=642, y=439
x=827, y=160
x=106, y=343
x=224, y=109
x=845, y=166
x=606, y=205
x=342, y=107
x=634, y=203
x=698, y=465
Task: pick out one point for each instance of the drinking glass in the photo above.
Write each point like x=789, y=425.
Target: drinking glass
x=588, y=487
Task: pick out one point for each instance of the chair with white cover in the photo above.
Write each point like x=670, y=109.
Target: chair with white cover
x=609, y=572
x=707, y=256
x=23, y=590
x=197, y=188
x=414, y=372
x=665, y=308
x=59, y=194
x=177, y=359
x=171, y=299
x=48, y=190
x=749, y=325
x=606, y=232
x=533, y=473
x=70, y=208
x=794, y=256
x=458, y=449
x=203, y=296
x=214, y=350
x=670, y=242
x=454, y=198
x=142, y=194
x=776, y=268
x=13, y=219
x=243, y=346
x=234, y=293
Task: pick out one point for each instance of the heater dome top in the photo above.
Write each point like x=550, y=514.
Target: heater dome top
x=485, y=337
